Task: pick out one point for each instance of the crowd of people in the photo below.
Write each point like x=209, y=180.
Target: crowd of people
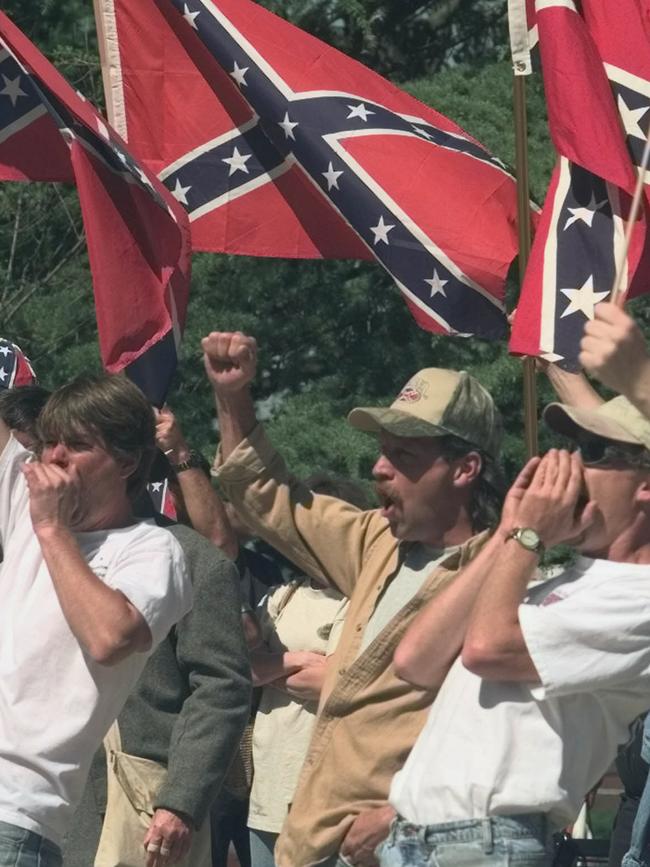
x=196, y=659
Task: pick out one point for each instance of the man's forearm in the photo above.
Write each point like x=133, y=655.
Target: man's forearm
x=573, y=388
x=236, y=413
x=435, y=637
x=494, y=646
x=206, y=511
x=102, y=619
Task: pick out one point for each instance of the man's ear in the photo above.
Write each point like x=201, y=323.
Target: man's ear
x=128, y=465
x=468, y=469
x=643, y=493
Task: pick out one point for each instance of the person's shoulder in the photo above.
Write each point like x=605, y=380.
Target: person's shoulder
x=145, y=534
x=195, y=545
x=206, y=563
x=13, y=454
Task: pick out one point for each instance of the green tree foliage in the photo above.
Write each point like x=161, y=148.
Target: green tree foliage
x=405, y=39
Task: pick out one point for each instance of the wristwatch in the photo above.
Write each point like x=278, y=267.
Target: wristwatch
x=194, y=461
x=528, y=539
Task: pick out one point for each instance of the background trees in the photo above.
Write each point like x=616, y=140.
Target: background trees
x=332, y=334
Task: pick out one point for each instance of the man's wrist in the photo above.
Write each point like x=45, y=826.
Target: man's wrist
x=638, y=391
x=527, y=538
x=178, y=453
x=190, y=460
x=47, y=531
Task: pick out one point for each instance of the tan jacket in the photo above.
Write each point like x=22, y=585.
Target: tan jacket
x=369, y=719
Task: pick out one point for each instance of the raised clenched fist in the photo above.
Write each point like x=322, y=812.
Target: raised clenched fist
x=230, y=359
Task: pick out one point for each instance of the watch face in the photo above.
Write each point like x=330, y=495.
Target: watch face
x=529, y=538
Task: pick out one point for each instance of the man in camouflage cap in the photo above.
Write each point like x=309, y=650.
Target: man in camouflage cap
x=540, y=682
x=437, y=481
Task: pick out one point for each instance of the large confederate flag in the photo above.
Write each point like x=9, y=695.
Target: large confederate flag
x=596, y=66
x=279, y=145
x=137, y=234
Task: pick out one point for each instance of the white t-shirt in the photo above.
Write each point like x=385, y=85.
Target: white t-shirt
x=291, y=618
x=56, y=703
x=495, y=748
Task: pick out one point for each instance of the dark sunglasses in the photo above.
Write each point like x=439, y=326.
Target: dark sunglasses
x=596, y=452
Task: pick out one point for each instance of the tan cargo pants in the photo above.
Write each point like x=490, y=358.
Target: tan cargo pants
x=133, y=784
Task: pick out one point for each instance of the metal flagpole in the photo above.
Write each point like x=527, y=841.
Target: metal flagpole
x=523, y=213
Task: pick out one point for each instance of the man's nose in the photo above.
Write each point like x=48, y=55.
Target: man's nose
x=383, y=469
x=58, y=454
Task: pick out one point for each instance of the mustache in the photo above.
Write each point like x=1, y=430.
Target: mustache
x=386, y=495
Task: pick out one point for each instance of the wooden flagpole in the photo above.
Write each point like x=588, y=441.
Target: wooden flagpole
x=618, y=290
x=529, y=372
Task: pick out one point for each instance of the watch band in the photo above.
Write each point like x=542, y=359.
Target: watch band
x=194, y=461
x=528, y=539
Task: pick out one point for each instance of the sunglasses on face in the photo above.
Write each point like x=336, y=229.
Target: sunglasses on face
x=603, y=453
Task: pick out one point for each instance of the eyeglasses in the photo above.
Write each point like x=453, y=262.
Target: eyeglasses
x=596, y=452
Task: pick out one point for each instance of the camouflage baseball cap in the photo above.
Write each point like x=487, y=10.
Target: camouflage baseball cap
x=616, y=420
x=437, y=403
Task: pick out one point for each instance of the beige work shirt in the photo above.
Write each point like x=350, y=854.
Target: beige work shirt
x=368, y=718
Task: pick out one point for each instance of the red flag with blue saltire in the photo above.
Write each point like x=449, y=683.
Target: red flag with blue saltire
x=16, y=369
x=596, y=67
x=279, y=145
x=138, y=236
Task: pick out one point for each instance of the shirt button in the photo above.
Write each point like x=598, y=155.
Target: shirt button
x=342, y=671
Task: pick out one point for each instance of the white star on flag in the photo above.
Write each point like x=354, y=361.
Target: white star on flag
x=237, y=162
x=12, y=89
x=583, y=299
x=156, y=486
x=3, y=374
x=239, y=74
x=180, y=192
x=420, y=131
x=288, y=126
x=5, y=350
x=190, y=16
x=331, y=177
x=437, y=285
x=631, y=118
x=359, y=111
x=381, y=231
x=585, y=214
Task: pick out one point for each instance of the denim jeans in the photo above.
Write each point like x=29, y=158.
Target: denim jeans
x=639, y=854
x=22, y=848
x=262, y=846
x=500, y=841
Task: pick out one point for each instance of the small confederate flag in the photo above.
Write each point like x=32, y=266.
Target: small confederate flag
x=596, y=69
x=15, y=368
x=137, y=235
x=279, y=145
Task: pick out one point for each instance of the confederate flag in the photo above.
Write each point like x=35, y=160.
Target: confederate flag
x=278, y=145
x=137, y=235
x=596, y=67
